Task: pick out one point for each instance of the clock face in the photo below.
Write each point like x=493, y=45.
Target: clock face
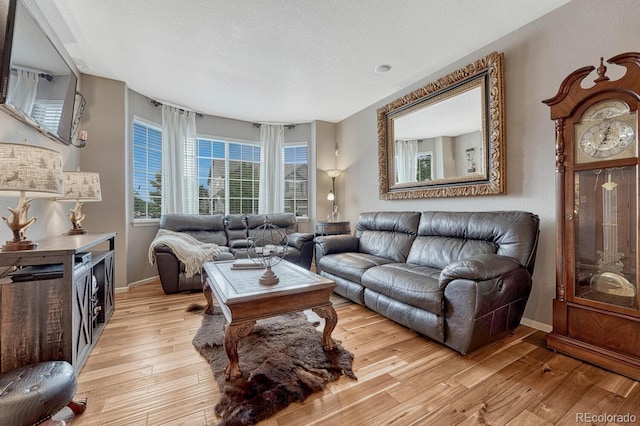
x=607, y=131
x=607, y=138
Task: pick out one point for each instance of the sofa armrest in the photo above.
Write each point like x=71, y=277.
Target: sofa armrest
x=168, y=269
x=336, y=244
x=299, y=239
x=303, y=242
x=485, y=297
x=482, y=267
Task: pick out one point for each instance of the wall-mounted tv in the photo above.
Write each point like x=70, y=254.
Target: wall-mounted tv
x=38, y=85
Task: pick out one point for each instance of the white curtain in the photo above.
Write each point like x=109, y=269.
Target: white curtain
x=23, y=94
x=271, y=169
x=179, y=180
x=406, y=161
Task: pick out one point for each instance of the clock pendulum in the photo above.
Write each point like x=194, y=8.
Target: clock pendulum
x=609, y=278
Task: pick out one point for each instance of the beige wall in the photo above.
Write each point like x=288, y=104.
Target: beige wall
x=325, y=134
x=537, y=58
x=105, y=153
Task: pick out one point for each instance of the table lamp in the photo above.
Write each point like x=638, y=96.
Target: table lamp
x=80, y=187
x=27, y=169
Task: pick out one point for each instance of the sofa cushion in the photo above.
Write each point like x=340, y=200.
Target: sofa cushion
x=241, y=243
x=411, y=284
x=439, y=251
x=236, y=227
x=446, y=237
x=205, y=228
x=350, y=265
x=285, y=221
x=387, y=234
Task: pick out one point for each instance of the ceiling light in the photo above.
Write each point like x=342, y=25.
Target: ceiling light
x=381, y=69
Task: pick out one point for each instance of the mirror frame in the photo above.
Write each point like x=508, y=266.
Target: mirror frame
x=490, y=71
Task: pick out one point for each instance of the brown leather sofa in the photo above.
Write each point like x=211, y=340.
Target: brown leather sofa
x=461, y=278
x=231, y=231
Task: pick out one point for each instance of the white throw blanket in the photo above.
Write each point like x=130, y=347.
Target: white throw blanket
x=190, y=251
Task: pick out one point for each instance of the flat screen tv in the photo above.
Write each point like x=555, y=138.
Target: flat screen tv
x=38, y=84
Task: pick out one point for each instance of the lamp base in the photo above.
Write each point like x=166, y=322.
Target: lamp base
x=19, y=245
x=269, y=277
x=77, y=231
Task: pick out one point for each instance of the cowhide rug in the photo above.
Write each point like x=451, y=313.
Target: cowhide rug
x=282, y=361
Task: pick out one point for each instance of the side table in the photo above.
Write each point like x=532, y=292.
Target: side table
x=332, y=228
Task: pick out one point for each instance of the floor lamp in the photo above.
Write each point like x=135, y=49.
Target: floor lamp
x=333, y=174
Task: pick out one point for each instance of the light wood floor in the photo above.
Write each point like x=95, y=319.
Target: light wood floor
x=144, y=371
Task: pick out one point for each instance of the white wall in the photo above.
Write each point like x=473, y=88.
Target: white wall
x=52, y=216
x=537, y=58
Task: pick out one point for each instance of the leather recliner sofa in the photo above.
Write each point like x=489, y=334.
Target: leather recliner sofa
x=231, y=231
x=460, y=278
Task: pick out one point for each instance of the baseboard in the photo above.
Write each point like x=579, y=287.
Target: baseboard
x=537, y=325
x=136, y=284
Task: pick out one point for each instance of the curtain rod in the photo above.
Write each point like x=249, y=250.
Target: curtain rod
x=42, y=74
x=157, y=104
x=286, y=126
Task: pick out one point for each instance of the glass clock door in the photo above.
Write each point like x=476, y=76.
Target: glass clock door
x=605, y=236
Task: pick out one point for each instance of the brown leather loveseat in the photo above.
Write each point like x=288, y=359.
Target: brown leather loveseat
x=460, y=278
x=230, y=231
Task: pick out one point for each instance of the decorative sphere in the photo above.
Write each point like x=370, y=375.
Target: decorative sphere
x=267, y=244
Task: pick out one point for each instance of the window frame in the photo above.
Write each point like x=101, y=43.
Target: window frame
x=155, y=126
x=294, y=145
x=227, y=142
x=420, y=156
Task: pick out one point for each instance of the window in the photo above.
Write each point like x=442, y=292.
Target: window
x=228, y=175
x=424, y=170
x=296, y=179
x=212, y=176
x=47, y=114
x=147, y=170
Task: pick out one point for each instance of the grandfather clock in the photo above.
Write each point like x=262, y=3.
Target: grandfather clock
x=595, y=312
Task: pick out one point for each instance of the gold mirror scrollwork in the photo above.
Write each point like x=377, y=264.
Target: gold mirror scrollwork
x=466, y=159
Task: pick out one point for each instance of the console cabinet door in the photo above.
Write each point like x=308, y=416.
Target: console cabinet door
x=81, y=318
x=107, y=296
x=34, y=326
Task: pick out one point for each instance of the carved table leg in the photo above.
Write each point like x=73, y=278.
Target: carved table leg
x=208, y=294
x=330, y=320
x=232, y=334
x=78, y=405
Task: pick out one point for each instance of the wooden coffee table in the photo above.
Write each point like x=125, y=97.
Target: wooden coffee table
x=244, y=301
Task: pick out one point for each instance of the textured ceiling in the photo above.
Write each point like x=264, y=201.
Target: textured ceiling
x=278, y=60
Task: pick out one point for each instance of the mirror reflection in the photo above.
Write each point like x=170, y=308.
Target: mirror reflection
x=444, y=141
x=40, y=85
x=446, y=138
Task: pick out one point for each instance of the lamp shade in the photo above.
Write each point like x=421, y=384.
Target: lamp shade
x=81, y=186
x=35, y=170
x=334, y=173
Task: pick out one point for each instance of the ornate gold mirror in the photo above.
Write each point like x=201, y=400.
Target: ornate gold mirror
x=447, y=138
